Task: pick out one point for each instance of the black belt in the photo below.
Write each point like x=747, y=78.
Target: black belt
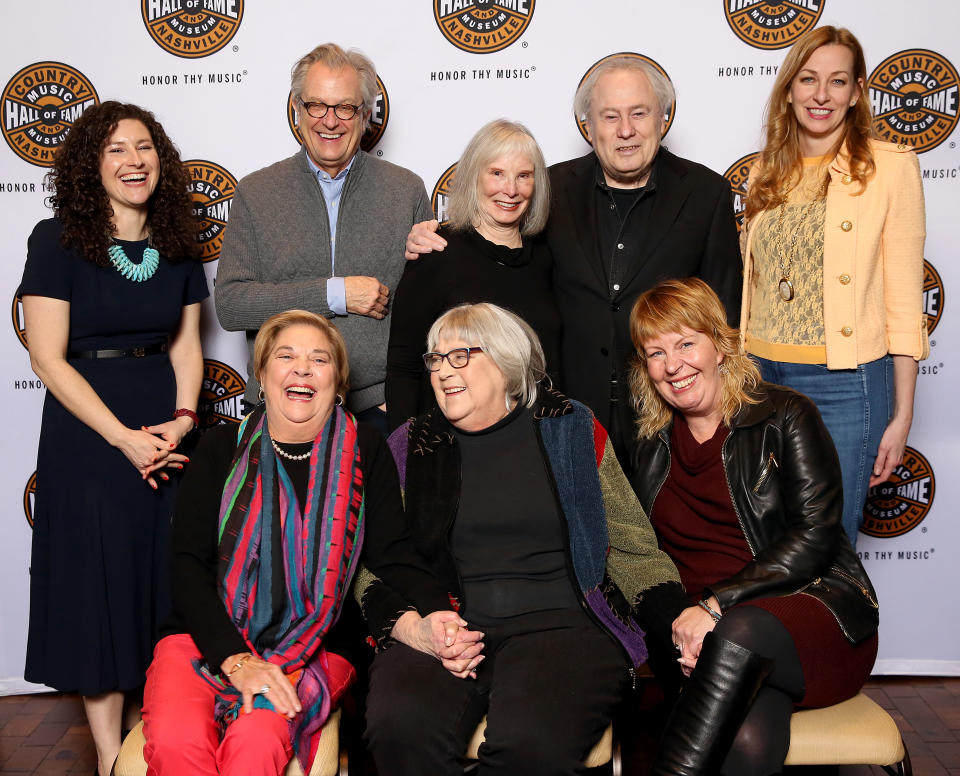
x=136, y=352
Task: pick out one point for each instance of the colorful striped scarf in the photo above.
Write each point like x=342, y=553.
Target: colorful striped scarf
x=284, y=613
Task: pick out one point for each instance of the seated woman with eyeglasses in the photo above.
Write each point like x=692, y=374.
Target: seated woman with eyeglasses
x=511, y=586
x=499, y=201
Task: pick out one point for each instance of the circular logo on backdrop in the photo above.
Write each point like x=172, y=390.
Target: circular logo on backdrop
x=29, y=497
x=192, y=28
x=378, y=118
x=737, y=174
x=40, y=104
x=221, y=394
x=482, y=26
x=671, y=112
x=767, y=24
x=211, y=190
x=933, y=297
x=900, y=504
x=914, y=98
x=16, y=315
x=441, y=193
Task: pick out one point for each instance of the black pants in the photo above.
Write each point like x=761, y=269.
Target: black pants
x=547, y=692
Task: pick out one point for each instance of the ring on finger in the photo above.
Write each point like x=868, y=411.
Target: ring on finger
x=263, y=690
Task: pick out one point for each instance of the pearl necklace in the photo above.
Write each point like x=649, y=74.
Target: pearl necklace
x=135, y=272
x=284, y=454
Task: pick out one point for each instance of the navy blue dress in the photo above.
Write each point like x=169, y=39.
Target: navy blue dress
x=99, y=567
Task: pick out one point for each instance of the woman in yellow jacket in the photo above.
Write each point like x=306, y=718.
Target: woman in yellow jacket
x=833, y=260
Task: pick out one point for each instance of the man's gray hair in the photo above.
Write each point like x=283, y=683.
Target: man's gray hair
x=334, y=57
x=662, y=88
x=492, y=141
x=505, y=337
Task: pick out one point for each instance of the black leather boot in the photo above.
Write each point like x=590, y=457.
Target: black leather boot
x=710, y=709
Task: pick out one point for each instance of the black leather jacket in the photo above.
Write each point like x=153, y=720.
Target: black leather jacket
x=783, y=475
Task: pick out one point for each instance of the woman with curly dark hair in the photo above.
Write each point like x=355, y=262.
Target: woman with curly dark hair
x=111, y=302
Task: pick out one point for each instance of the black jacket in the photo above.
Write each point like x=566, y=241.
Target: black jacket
x=691, y=232
x=784, y=480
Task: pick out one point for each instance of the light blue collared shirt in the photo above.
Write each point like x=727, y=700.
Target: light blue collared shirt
x=332, y=188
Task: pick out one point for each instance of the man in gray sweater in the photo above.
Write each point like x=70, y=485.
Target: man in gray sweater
x=324, y=230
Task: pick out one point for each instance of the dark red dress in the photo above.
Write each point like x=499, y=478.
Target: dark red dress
x=698, y=528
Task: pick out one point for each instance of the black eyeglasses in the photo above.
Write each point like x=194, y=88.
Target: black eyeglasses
x=458, y=358
x=344, y=111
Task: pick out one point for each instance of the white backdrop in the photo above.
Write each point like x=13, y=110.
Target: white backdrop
x=216, y=73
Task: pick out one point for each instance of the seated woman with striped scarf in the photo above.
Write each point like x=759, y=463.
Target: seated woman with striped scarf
x=266, y=535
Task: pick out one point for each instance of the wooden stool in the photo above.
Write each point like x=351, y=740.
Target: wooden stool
x=601, y=753
x=327, y=762
x=855, y=732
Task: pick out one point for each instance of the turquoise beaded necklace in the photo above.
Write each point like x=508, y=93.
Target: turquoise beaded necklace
x=135, y=272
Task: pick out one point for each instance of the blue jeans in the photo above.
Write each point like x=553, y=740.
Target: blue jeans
x=856, y=405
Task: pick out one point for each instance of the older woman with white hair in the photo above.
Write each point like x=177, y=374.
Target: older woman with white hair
x=499, y=201
x=512, y=586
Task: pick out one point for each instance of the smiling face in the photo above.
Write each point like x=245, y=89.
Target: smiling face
x=625, y=125
x=129, y=166
x=299, y=384
x=684, y=368
x=331, y=141
x=822, y=92
x=473, y=397
x=505, y=187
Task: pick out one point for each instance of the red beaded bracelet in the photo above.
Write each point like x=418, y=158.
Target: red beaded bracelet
x=185, y=413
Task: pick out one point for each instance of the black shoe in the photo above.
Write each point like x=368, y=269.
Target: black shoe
x=710, y=709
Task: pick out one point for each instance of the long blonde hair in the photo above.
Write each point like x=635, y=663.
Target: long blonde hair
x=778, y=169
x=670, y=306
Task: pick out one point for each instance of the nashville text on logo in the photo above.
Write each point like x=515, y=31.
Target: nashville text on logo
x=482, y=26
x=769, y=24
x=192, y=28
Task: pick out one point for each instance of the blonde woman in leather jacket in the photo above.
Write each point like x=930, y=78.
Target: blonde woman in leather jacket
x=742, y=484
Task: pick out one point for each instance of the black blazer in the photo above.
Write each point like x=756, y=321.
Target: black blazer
x=691, y=232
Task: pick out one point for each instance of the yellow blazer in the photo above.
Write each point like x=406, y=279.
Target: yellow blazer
x=872, y=261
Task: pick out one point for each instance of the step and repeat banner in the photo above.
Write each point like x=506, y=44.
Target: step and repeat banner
x=216, y=74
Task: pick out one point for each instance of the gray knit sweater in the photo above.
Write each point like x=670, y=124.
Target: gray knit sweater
x=276, y=254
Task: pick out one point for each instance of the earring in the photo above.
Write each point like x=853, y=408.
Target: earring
x=338, y=401
x=260, y=395
x=722, y=368
x=506, y=401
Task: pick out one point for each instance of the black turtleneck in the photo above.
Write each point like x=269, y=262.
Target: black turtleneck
x=508, y=537
x=470, y=269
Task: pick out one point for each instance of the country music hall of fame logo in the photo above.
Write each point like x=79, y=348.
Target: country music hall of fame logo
x=379, y=116
x=192, y=28
x=483, y=26
x=40, y=105
x=914, y=96
x=440, y=199
x=902, y=502
x=671, y=111
x=221, y=394
x=737, y=175
x=211, y=190
x=29, y=498
x=771, y=24
x=934, y=297
x=16, y=318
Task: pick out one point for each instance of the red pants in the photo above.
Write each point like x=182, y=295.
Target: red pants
x=182, y=735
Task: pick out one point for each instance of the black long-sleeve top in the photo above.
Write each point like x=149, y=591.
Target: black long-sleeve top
x=197, y=606
x=470, y=269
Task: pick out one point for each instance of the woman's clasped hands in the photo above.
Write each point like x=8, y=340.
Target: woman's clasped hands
x=446, y=636
x=151, y=448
